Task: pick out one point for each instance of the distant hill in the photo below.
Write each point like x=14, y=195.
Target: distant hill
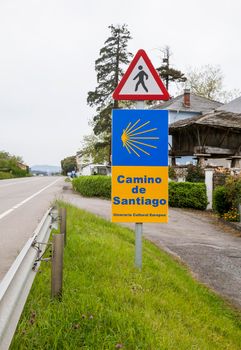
x=50, y=169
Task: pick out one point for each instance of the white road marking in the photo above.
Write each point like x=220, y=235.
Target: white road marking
x=7, y=212
x=15, y=183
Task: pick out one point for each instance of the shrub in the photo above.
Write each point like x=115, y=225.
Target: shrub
x=93, y=186
x=5, y=175
x=188, y=195
x=227, y=198
x=232, y=215
x=233, y=187
x=181, y=194
x=171, y=173
x=195, y=173
x=221, y=204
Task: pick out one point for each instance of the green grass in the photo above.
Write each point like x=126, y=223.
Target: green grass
x=108, y=304
x=5, y=175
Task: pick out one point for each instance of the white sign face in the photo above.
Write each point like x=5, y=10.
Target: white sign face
x=140, y=81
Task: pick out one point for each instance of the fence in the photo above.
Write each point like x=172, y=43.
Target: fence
x=16, y=284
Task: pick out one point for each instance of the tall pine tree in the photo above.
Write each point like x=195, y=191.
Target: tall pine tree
x=109, y=68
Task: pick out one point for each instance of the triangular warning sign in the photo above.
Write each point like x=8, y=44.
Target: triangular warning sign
x=141, y=81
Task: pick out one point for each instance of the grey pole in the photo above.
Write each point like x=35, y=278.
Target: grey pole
x=57, y=266
x=138, y=226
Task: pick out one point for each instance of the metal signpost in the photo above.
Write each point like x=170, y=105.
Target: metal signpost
x=140, y=151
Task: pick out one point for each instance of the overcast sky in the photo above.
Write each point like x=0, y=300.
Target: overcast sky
x=48, y=49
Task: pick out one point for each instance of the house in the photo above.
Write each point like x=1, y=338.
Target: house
x=214, y=137
x=186, y=106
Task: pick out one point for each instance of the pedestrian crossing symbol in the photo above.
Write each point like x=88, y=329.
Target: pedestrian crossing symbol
x=141, y=81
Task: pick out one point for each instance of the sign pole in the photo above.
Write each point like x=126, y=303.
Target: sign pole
x=138, y=225
x=139, y=151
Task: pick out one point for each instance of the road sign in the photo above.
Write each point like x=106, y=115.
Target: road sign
x=141, y=81
x=139, y=166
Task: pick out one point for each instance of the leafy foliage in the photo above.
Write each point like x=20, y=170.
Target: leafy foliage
x=90, y=150
x=227, y=198
x=108, y=304
x=171, y=173
x=195, y=173
x=10, y=166
x=181, y=194
x=208, y=82
x=108, y=66
x=221, y=203
x=109, y=70
x=187, y=195
x=93, y=186
x=68, y=164
x=168, y=73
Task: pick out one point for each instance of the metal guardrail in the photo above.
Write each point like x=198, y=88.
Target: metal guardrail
x=16, y=284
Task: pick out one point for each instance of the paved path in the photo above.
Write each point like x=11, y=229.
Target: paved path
x=209, y=248
x=23, y=202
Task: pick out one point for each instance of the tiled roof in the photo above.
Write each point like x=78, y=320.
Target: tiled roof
x=197, y=104
x=216, y=119
x=233, y=106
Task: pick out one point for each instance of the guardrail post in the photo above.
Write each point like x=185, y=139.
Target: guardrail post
x=62, y=219
x=57, y=266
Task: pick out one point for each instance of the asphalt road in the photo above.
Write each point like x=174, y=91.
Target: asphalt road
x=211, y=250
x=23, y=202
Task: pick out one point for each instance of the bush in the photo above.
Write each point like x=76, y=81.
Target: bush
x=227, y=198
x=181, y=194
x=188, y=195
x=5, y=175
x=232, y=215
x=93, y=186
x=195, y=173
x=221, y=204
x=171, y=173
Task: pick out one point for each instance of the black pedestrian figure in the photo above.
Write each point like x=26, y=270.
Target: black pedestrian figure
x=141, y=76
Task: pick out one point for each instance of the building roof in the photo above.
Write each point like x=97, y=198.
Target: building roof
x=234, y=106
x=219, y=119
x=198, y=104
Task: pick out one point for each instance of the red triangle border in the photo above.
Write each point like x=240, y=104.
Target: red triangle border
x=164, y=96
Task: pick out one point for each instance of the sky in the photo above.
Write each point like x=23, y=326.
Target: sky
x=48, y=50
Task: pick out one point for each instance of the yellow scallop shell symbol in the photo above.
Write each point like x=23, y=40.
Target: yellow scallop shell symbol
x=134, y=135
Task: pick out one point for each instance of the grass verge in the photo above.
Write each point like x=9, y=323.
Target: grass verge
x=108, y=304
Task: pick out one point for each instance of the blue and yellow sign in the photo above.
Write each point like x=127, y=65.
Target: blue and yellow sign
x=139, y=165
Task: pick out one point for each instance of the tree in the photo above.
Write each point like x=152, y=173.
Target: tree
x=68, y=164
x=166, y=72
x=12, y=164
x=90, y=152
x=109, y=69
x=208, y=82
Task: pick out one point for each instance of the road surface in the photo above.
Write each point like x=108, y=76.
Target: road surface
x=23, y=203
x=211, y=250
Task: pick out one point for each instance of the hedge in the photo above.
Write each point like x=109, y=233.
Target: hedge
x=4, y=175
x=93, y=186
x=181, y=194
x=188, y=195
